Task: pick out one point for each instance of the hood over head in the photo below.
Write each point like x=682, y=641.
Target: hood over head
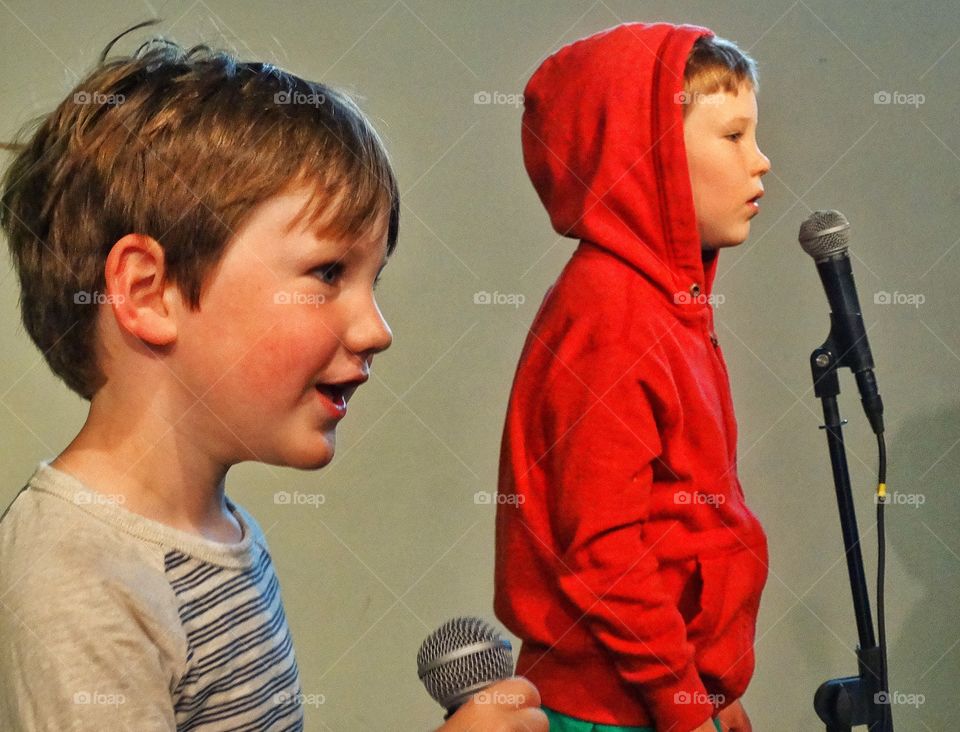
x=603, y=144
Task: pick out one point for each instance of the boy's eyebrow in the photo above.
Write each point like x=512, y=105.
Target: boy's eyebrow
x=741, y=119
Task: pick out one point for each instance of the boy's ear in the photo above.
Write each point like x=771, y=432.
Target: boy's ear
x=138, y=291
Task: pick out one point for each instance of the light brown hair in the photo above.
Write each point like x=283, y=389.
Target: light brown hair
x=180, y=145
x=715, y=63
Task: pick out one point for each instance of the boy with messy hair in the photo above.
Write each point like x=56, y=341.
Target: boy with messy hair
x=628, y=562
x=197, y=241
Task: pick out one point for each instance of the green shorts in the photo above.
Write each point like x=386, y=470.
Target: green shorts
x=563, y=723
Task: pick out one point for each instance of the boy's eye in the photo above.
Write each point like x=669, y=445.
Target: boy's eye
x=330, y=273
x=734, y=136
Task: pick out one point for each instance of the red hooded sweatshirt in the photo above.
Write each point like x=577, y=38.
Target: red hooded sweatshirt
x=627, y=560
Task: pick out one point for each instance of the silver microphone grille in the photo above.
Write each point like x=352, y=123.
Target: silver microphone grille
x=461, y=657
x=825, y=234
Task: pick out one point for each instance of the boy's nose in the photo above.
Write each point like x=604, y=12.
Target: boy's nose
x=384, y=336
x=370, y=332
x=763, y=163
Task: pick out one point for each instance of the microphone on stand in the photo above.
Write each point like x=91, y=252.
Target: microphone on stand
x=862, y=699
x=825, y=236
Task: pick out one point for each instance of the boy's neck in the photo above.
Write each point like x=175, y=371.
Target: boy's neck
x=164, y=479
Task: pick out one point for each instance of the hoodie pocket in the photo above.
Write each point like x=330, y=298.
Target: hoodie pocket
x=724, y=630
x=730, y=597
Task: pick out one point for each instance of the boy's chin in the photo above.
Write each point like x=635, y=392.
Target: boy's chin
x=315, y=456
x=724, y=243
x=720, y=237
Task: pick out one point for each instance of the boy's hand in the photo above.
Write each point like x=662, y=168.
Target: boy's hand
x=705, y=727
x=734, y=719
x=511, y=705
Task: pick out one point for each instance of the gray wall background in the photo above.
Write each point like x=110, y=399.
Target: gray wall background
x=399, y=544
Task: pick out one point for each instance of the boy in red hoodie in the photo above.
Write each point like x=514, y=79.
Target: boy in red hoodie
x=631, y=568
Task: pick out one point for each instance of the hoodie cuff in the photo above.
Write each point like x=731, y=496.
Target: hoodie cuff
x=682, y=705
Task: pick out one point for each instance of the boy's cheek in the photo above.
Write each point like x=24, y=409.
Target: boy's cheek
x=241, y=360
x=278, y=361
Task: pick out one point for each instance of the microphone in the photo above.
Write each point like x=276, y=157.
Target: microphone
x=825, y=236
x=461, y=657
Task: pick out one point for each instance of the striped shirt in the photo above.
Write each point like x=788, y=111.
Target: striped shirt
x=109, y=620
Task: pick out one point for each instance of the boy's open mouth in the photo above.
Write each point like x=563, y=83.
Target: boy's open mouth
x=334, y=393
x=340, y=392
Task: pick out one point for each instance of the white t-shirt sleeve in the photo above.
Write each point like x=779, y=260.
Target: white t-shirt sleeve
x=101, y=652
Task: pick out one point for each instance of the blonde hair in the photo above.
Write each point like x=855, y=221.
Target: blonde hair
x=180, y=145
x=715, y=63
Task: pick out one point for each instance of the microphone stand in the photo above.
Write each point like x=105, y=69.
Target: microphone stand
x=853, y=700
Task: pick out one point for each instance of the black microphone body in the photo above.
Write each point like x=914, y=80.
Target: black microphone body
x=824, y=237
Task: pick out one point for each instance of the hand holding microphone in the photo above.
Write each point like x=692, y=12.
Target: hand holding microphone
x=466, y=666
x=518, y=710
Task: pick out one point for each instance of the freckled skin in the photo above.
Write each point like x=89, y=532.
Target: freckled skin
x=269, y=329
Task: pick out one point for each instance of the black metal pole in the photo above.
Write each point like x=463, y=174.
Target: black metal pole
x=854, y=700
